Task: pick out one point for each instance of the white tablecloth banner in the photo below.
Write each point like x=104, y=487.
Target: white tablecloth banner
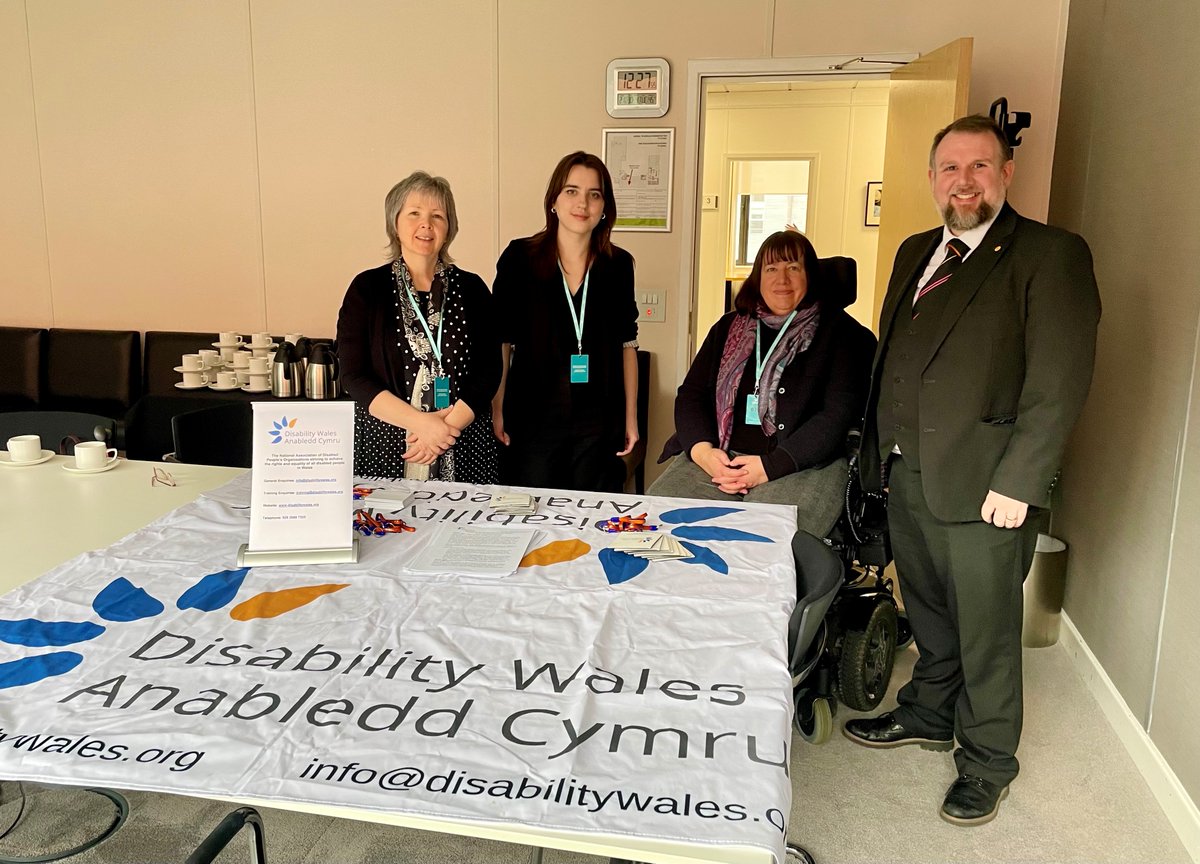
x=589, y=691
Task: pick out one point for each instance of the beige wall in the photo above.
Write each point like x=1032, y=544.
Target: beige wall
x=1131, y=485
x=222, y=165
x=840, y=126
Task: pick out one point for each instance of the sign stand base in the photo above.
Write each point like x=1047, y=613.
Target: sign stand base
x=247, y=557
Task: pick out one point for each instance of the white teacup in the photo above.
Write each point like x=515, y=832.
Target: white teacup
x=243, y=377
x=260, y=340
x=260, y=366
x=209, y=356
x=192, y=363
x=93, y=454
x=195, y=379
x=229, y=337
x=24, y=448
x=241, y=359
x=260, y=382
x=227, y=380
x=227, y=354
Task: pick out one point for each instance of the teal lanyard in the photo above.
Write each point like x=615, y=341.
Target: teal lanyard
x=576, y=319
x=759, y=362
x=436, y=346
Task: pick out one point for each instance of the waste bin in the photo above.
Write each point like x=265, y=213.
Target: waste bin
x=1044, y=589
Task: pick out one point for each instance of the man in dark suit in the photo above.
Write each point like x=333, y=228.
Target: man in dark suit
x=987, y=339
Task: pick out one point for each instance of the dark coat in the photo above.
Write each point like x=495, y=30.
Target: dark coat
x=820, y=396
x=1008, y=370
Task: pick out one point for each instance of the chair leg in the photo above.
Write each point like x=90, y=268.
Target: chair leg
x=226, y=830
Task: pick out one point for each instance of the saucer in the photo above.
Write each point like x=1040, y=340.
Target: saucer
x=181, y=370
x=246, y=388
x=6, y=459
x=227, y=344
x=181, y=386
x=220, y=389
x=106, y=467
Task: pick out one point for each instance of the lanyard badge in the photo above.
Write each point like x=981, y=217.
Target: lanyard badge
x=752, y=416
x=441, y=383
x=579, y=360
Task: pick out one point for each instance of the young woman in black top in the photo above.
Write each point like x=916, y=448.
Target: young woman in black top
x=566, y=407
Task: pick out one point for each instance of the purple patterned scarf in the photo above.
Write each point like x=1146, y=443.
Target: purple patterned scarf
x=739, y=346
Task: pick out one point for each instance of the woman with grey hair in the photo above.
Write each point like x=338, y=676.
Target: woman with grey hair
x=418, y=351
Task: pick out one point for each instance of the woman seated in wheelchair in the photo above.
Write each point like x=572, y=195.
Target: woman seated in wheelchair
x=764, y=411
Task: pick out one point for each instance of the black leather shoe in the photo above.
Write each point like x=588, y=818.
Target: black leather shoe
x=972, y=800
x=883, y=732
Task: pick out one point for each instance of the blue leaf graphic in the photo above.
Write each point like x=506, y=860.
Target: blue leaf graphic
x=213, y=591
x=620, y=567
x=704, y=555
x=38, y=634
x=30, y=670
x=121, y=600
x=696, y=514
x=714, y=532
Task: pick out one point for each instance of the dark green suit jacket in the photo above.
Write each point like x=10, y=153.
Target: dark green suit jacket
x=1009, y=366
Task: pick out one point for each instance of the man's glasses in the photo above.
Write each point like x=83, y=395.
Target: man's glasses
x=161, y=478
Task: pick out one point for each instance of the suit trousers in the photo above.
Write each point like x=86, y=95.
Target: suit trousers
x=962, y=588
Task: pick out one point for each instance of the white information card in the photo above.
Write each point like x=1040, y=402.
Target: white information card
x=302, y=486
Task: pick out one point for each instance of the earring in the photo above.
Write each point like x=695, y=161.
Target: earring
x=554, y=211
x=603, y=216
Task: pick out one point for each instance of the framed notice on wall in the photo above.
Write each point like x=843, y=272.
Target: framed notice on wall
x=641, y=162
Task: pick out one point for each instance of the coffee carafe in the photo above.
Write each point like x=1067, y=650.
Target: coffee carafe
x=287, y=372
x=321, y=377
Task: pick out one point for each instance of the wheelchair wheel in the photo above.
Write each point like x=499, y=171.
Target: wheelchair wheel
x=904, y=634
x=818, y=726
x=799, y=853
x=866, y=663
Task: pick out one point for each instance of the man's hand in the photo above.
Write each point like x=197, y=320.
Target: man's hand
x=1002, y=511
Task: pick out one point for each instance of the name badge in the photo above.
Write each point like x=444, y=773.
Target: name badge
x=441, y=392
x=579, y=368
x=752, y=418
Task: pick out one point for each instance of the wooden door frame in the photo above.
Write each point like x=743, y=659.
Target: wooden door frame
x=699, y=72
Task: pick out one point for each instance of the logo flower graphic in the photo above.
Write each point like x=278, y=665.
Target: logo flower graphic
x=276, y=430
x=621, y=567
x=120, y=601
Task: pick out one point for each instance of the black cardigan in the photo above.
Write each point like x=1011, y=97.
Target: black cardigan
x=369, y=353
x=534, y=318
x=821, y=395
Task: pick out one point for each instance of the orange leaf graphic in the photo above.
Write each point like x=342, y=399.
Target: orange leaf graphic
x=555, y=553
x=270, y=604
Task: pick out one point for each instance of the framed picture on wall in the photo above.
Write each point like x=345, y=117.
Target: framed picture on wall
x=874, y=201
x=640, y=162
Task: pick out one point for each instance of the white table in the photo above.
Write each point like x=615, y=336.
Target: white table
x=49, y=515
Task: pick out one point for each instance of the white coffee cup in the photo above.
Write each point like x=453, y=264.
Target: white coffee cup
x=227, y=354
x=24, y=448
x=192, y=363
x=229, y=337
x=260, y=340
x=260, y=382
x=209, y=356
x=227, y=380
x=93, y=454
x=195, y=379
x=243, y=377
x=260, y=366
x=241, y=359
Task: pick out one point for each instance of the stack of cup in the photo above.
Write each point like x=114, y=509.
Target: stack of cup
x=241, y=367
x=195, y=374
x=261, y=344
x=260, y=375
x=228, y=341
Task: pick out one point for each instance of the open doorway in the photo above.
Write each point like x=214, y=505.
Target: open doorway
x=776, y=152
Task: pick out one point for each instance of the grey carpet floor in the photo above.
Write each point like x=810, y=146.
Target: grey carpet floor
x=1079, y=799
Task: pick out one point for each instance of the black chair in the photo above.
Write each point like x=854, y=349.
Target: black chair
x=97, y=371
x=59, y=430
x=21, y=370
x=635, y=460
x=226, y=830
x=162, y=352
x=220, y=435
x=148, y=433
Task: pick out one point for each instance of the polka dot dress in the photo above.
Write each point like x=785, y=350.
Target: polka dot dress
x=378, y=445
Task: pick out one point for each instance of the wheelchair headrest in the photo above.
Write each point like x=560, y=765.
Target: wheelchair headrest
x=840, y=275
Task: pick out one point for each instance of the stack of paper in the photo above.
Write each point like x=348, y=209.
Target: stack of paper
x=473, y=550
x=516, y=503
x=385, y=499
x=654, y=546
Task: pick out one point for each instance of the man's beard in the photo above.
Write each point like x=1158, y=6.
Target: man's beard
x=959, y=222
